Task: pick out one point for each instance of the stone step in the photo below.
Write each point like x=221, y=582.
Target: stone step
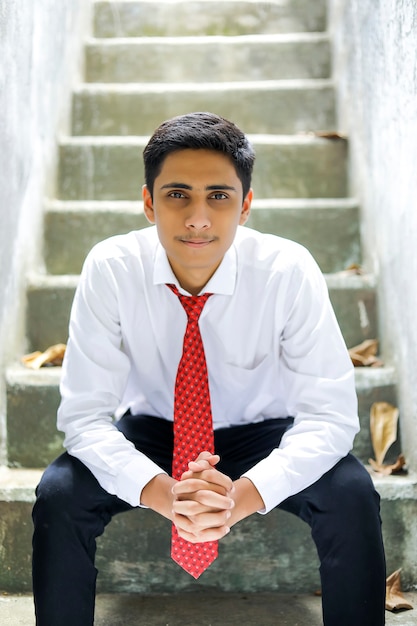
x=215, y=59
x=33, y=398
x=110, y=168
x=212, y=17
x=328, y=228
x=187, y=608
x=279, y=107
x=133, y=553
x=49, y=301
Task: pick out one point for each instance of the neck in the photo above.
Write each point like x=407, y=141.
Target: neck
x=193, y=281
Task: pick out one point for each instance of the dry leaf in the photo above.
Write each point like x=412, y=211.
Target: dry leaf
x=386, y=470
x=395, y=600
x=52, y=356
x=383, y=426
x=329, y=134
x=364, y=354
x=354, y=269
x=326, y=134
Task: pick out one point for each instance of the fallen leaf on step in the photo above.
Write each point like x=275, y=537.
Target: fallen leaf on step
x=395, y=600
x=394, y=468
x=52, y=356
x=364, y=354
x=353, y=270
x=383, y=426
x=326, y=134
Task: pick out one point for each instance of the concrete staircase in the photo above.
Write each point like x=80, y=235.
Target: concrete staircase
x=267, y=66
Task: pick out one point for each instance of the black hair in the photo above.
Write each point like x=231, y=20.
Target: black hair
x=199, y=131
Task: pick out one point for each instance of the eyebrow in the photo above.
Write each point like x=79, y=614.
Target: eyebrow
x=175, y=185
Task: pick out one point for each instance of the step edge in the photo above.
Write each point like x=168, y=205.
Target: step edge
x=293, y=37
x=338, y=280
x=18, y=374
x=106, y=2
x=133, y=206
x=18, y=484
x=306, y=138
x=51, y=281
x=396, y=487
x=344, y=280
x=129, y=88
x=371, y=377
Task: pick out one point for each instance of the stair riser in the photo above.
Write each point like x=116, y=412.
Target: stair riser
x=133, y=553
x=217, y=61
x=114, y=170
x=356, y=312
x=331, y=235
x=70, y=235
x=260, y=110
x=133, y=19
x=32, y=437
x=32, y=409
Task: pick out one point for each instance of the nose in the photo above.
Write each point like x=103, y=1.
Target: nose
x=198, y=217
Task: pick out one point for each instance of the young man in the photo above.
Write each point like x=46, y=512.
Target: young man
x=284, y=413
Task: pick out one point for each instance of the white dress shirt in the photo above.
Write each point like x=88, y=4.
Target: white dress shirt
x=273, y=350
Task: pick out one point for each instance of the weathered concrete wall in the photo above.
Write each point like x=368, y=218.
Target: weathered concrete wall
x=39, y=60
x=375, y=44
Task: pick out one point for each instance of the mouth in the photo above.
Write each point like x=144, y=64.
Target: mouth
x=192, y=243
x=195, y=242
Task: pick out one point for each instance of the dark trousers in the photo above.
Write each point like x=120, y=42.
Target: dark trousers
x=342, y=509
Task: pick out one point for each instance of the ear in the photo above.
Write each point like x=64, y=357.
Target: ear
x=244, y=215
x=148, y=205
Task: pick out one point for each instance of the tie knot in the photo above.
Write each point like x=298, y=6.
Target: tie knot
x=193, y=305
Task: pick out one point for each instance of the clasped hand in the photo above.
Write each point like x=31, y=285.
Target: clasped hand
x=203, y=501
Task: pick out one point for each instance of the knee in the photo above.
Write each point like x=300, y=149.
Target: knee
x=56, y=491
x=353, y=487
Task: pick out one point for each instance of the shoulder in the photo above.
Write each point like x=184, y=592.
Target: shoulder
x=270, y=252
x=136, y=245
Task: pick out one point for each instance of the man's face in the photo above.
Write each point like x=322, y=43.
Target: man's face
x=197, y=205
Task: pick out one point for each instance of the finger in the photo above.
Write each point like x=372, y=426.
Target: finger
x=199, y=515
x=199, y=466
x=213, y=459
x=193, y=485
x=208, y=499
x=209, y=534
x=211, y=476
x=197, y=526
x=205, y=460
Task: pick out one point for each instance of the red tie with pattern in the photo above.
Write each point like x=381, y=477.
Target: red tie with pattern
x=193, y=426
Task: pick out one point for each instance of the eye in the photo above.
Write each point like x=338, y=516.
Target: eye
x=176, y=194
x=219, y=195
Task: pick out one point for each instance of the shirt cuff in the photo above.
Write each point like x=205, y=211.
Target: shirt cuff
x=133, y=477
x=271, y=482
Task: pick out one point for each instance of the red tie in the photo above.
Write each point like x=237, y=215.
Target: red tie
x=193, y=426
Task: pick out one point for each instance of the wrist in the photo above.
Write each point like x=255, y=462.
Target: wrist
x=157, y=495
x=247, y=499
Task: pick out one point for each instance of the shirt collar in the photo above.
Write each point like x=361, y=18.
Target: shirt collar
x=222, y=282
